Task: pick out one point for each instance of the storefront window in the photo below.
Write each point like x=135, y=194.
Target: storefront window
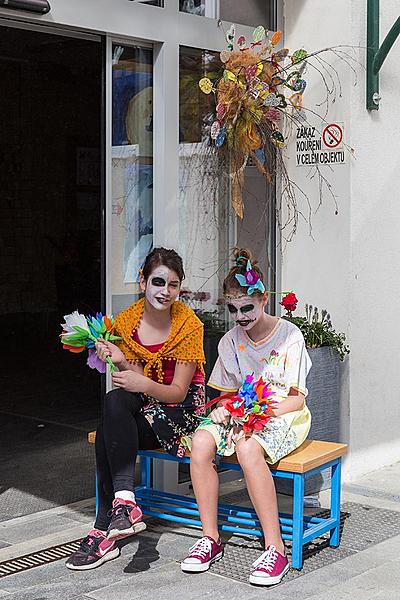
x=248, y=12
x=132, y=168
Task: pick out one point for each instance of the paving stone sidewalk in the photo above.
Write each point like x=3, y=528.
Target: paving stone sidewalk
x=149, y=566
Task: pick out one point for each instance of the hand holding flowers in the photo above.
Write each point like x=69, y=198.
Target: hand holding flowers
x=220, y=415
x=247, y=411
x=105, y=349
x=80, y=332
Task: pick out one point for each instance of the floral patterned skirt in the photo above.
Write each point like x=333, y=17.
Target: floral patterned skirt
x=280, y=436
x=172, y=423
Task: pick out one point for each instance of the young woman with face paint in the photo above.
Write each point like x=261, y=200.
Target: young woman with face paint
x=158, y=395
x=263, y=345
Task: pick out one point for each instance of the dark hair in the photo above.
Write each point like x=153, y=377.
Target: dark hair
x=241, y=256
x=166, y=258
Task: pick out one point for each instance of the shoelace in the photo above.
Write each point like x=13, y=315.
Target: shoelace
x=118, y=510
x=201, y=548
x=90, y=543
x=267, y=560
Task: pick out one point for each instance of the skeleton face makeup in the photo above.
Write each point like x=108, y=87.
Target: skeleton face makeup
x=162, y=288
x=245, y=310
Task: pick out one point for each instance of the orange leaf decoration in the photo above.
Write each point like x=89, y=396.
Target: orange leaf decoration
x=108, y=324
x=276, y=38
x=75, y=349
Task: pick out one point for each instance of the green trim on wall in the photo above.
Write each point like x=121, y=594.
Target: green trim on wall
x=376, y=55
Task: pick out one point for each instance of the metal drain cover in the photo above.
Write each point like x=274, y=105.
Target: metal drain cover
x=42, y=557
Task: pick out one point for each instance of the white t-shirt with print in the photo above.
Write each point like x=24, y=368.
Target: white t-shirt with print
x=281, y=358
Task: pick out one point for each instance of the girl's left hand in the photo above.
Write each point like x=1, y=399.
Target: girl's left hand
x=234, y=435
x=130, y=381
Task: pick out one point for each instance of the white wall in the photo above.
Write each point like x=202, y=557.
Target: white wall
x=375, y=264
x=350, y=266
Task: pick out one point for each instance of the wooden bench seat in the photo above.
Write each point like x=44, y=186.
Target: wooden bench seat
x=312, y=457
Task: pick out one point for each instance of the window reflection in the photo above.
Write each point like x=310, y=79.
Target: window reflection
x=194, y=7
x=202, y=8
x=132, y=163
x=206, y=221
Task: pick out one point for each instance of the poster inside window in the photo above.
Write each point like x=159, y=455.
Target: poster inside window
x=132, y=157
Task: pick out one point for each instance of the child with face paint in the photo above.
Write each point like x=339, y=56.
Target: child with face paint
x=158, y=395
x=267, y=346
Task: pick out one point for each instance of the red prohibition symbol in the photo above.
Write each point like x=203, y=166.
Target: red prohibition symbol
x=332, y=135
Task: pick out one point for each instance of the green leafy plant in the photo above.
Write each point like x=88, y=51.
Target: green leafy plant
x=318, y=331
x=214, y=323
x=213, y=320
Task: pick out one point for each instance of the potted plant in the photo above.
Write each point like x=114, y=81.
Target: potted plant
x=327, y=348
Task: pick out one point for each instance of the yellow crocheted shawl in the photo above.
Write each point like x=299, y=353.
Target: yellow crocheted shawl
x=184, y=344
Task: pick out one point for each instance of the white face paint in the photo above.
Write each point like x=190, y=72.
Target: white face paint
x=245, y=310
x=162, y=288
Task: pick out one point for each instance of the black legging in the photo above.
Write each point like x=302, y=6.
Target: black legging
x=123, y=432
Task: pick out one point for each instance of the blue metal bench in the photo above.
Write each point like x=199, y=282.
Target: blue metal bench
x=312, y=457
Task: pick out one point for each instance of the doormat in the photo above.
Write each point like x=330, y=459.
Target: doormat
x=361, y=526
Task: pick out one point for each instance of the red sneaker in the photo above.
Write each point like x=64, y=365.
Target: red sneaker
x=126, y=520
x=270, y=568
x=94, y=550
x=202, y=555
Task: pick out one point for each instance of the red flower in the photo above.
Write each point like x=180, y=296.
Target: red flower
x=255, y=422
x=289, y=302
x=235, y=406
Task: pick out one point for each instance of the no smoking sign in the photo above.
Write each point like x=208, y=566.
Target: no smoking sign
x=316, y=147
x=332, y=135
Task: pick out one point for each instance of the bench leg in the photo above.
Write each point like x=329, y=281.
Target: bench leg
x=334, y=539
x=298, y=514
x=145, y=472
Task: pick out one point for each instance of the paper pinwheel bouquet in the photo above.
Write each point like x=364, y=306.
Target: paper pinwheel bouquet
x=251, y=407
x=80, y=332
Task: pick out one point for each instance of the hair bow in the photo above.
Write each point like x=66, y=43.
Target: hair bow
x=251, y=280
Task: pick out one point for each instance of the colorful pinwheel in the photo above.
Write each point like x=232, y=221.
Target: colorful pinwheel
x=251, y=407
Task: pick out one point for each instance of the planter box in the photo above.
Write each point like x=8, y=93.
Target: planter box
x=211, y=352
x=323, y=402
